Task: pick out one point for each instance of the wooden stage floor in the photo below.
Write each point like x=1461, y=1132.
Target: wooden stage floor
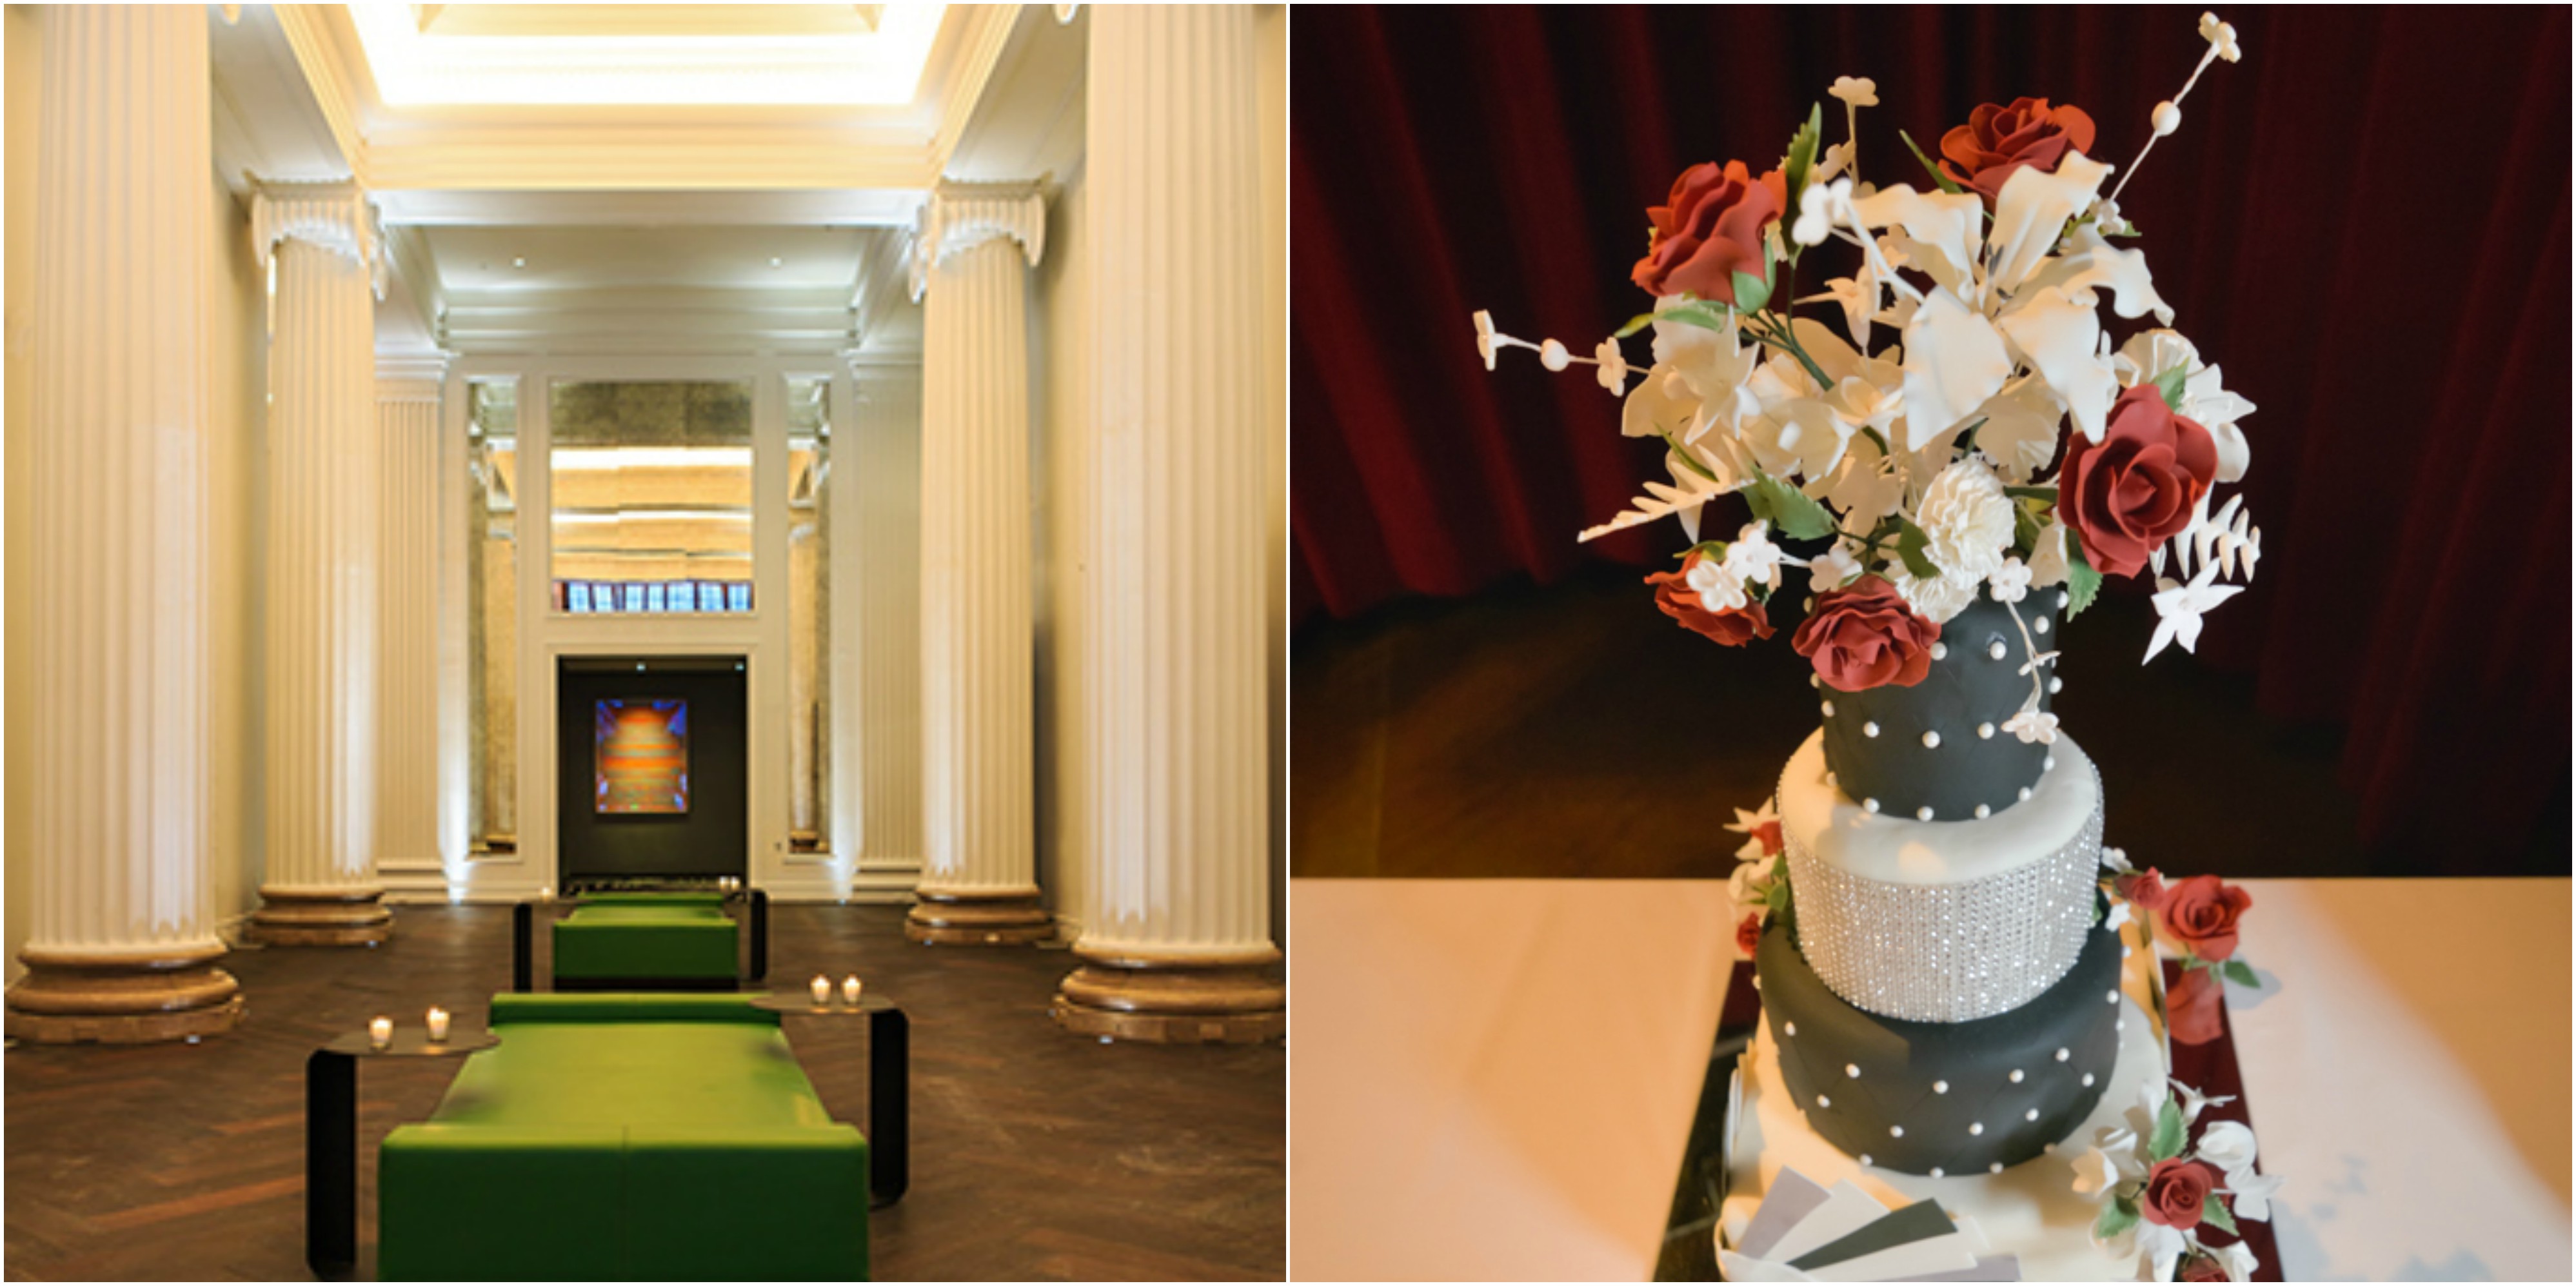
x=1035, y=1154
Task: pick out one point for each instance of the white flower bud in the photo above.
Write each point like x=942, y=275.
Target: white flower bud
x=2167, y=118
x=1552, y=355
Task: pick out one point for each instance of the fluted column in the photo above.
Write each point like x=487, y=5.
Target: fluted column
x=973, y=253
x=320, y=887
x=407, y=422
x=1177, y=945
x=876, y=535
x=120, y=940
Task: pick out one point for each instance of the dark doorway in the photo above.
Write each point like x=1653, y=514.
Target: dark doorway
x=706, y=836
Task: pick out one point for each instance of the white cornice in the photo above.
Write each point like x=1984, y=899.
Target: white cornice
x=326, y=70
x=754, y=157
x=986, y=35
x=649, y=319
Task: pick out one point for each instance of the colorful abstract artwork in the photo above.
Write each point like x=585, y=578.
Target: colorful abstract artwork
x=643, y=756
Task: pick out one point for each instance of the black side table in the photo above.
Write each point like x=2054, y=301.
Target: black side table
x=331, y=1137
x=889, y=1082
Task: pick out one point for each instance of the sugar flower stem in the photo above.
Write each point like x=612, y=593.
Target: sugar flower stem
x=1778, y=336
x=2207, y=56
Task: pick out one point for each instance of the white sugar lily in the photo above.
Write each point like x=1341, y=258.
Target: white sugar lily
x=2229, y=1145
x=2060, y=336
x=2179, y=608
x=1954, y=360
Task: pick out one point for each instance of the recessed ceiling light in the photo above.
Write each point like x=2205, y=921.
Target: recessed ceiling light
x=518, y=263
x=775, y=261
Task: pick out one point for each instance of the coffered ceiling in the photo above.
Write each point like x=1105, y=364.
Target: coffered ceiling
x=647, y=178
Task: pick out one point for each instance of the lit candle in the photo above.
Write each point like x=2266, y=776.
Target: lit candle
x=850, y=989
x=546, y=893
x=822, y=990
x=380, y=1032
x=437, y=1023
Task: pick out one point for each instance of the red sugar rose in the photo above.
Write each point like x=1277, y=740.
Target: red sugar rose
x=2145, y=889
x=2205, y=1268
x=1748, y=933
x=1710, y=229
x=2175, y=1191
x=1769, y=833
x=2135, y=488
x=1996, y=141
x=2193, y=1007
x=1866, y=635
x=2201, y=912
x=1680, y=602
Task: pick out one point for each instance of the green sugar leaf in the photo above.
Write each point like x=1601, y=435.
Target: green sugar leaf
x=2082, y=582
x=1928, y=166
x=2167, y=1142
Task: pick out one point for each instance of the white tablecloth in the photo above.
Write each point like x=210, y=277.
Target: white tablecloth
x=1494, y=1079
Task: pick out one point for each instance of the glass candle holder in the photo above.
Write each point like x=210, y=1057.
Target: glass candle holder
x=822, y=990
x=380, y=1032
x=437, y=1023
x=850, y=989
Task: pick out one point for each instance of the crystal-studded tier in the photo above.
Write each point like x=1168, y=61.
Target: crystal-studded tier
x=1942, y=921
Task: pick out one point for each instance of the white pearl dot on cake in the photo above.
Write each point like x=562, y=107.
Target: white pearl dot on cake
x=1931, y=740
x=1996, y=650
x=1822, y=1101
x=1869, y=729
x=1791, y=1029
x=1940, y=1087
x=2119, y=1024
x=1864, y=1158
x=2061, y=600
x=1985, y=732
x=1940, y=650
x=1852, y=1070
x=2048, y=763
x=2023, y=795
x=2039, y=626
x=1811, y=602
x=1996, y=1168
x=1816, y=681
x=2088, y=1080
x=1896, y=1131
x=2111, y=997
x=1870, y=804
x=2056, y=685
x=1976, y=1127
x=2062, y=1055
x=2126, y=952
x=1936, y=1172
x=1829, y=709
x=1984, y=812
x=2015, y=1078
x=2031, y=1115
x=1923, y=814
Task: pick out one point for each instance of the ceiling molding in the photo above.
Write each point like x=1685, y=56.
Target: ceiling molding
x=649, y=319
x=617, y=207
x=318, y=55
x=722, y=157
x=986, y=34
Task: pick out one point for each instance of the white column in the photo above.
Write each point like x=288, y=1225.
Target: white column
x=120, y=944
x=407, y=532
x=974, y=248
x=876, y=569
x=321, y=888
x=1178, y=936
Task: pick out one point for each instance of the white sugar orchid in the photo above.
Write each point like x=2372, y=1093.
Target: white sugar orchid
x=2179, y=608
x=2033, y=725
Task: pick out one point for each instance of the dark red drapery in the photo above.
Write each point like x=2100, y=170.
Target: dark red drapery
x=2365, y=223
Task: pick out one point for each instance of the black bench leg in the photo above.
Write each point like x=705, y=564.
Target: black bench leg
x=889, y=1106
x=523, y=940
x=331, y=1165
x=759, y=934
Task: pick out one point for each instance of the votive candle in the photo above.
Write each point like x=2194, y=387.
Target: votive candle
x=380, y=1032
x=850, y=989
x=822, y=990
x=437, y=1023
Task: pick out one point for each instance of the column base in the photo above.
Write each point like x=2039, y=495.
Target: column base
x=129, y=1000
x=299, y=918
x=978, y=920
x=1175, y=1002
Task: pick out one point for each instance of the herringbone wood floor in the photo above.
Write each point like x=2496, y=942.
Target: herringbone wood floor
x=1035, y=1155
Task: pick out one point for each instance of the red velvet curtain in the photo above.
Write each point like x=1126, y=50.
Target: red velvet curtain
x=2365, y=223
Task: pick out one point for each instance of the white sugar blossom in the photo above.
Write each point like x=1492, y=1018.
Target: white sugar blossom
x=1833, y=569
x=1753, y=557
x=2229, y=1145
x=2193, y=1102
x=1836, y=160
x=2117, y=859
x=2250, y=1194
x=2238, y=1259
x=2048, y=557
x=1858, y=91
x=1613, y=366
x=1935, y=598
x=2033, y=725
x=2096, y=1174
x=1485, y=337
x=2178, y=608
x=1744, y=888
x=2221, y=37
x=2118, y=915
x=1718, y=589
x=2010, y=582
x=1821, y=208
x=1969, y=520
x=1747, y=823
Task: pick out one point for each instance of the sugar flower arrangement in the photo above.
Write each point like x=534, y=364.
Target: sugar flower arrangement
x=2164, y=1188
x=2199, y=917
x=1935, y=467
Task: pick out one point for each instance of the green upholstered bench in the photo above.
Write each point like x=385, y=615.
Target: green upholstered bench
x=647, y=941
x=635, y=1137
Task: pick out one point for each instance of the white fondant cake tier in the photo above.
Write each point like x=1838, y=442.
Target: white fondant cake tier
x=2030, y=1210
x=1816, y=815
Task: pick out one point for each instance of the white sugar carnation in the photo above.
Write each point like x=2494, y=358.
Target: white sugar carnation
x=1969, y=520
x=1936, y=598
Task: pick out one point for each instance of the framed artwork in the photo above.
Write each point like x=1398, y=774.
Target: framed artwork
x=642, y=755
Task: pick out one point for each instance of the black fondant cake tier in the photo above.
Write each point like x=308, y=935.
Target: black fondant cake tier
x=1941, y=744
x=1955, y=1098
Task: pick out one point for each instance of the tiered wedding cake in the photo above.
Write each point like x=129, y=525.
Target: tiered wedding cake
x=1957, y=449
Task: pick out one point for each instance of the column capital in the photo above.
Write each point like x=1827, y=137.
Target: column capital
x=332, y=216
x=961, y=216
x=412, y=375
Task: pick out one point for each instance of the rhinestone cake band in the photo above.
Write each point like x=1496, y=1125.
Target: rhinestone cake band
x=1947, y=953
